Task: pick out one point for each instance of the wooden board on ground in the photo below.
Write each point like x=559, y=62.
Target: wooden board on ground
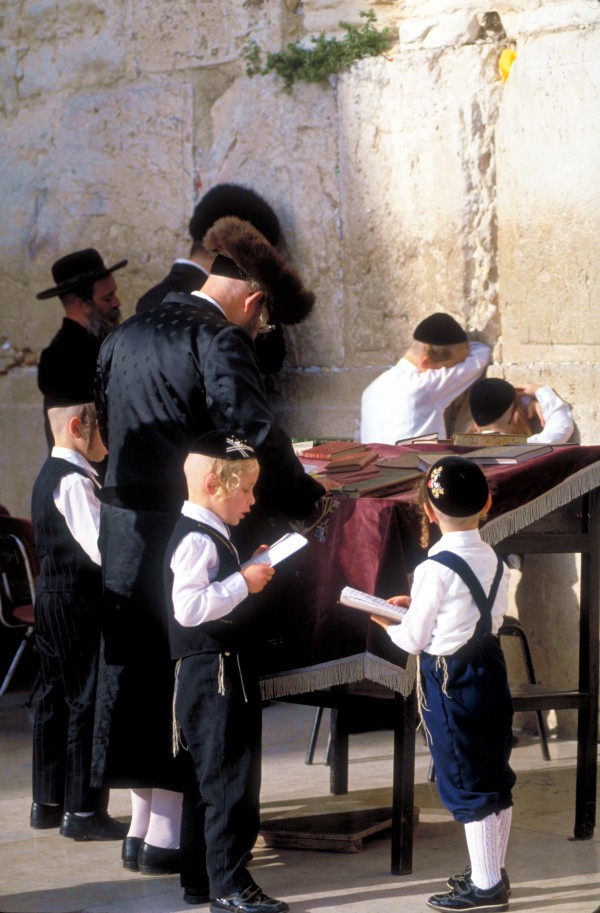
x=341, y=832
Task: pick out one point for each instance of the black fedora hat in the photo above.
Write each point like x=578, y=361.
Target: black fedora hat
x=83, y=267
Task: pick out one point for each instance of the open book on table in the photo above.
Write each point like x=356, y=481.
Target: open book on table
x=281, y=549
x=372, y=605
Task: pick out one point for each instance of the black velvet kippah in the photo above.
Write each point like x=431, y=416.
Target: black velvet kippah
x=225, y=266
x=439, y=330
x=489, y=398
x=222, y=446
x=69, y=389
x=457, y=487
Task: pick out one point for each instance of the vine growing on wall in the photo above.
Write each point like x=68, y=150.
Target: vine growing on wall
x=326, y=56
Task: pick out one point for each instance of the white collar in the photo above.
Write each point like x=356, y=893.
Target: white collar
x=74, y=457
x=204, y=515
x=212, y=301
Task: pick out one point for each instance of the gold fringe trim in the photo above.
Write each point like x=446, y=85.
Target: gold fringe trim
x=574, y=486
x=346, y=671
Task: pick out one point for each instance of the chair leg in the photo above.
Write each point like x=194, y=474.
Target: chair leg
x=312, y=742
x=15, y=661
x=541, y=723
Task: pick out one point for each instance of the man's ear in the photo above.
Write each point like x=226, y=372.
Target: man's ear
x=253, y=299
x=488, y=504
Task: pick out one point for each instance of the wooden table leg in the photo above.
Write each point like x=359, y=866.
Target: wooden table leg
x=403, y=794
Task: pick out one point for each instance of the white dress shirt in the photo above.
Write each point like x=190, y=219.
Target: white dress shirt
x=76, y=498
x=404, y=402
x=558, y=421
x=197, y=597
x=443, y=614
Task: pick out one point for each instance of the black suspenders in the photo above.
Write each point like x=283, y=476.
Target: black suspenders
x=484, y=603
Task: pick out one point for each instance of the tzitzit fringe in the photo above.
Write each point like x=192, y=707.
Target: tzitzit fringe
x=221, y=676
x=422, y=707
x=176, y=742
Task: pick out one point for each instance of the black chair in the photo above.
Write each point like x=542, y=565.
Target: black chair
x=19, y=569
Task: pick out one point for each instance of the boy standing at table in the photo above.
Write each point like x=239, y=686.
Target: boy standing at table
x=218, y=707
x=457, y=603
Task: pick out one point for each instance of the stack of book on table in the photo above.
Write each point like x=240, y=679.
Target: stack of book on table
x=358, y=469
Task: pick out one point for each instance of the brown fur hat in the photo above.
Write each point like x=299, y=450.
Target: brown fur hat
x=288, y=299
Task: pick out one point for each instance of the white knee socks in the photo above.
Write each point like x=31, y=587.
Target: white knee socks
x=484, y=851
x=165, y=819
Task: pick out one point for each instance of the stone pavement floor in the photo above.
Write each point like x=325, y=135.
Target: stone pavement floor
x=41, y=872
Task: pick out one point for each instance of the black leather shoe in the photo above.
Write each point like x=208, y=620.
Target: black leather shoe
x=454, y=880
x=98, y=826
x=43, y=817
x=251, y=900
x=466, y=896
x=130, y=852
x=156, y=860
x=196, y=894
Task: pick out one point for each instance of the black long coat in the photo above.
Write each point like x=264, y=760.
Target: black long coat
x=186, y=277
x=166, y=377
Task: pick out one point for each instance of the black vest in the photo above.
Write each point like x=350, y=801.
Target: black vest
x=65, y=566
x=211, y=636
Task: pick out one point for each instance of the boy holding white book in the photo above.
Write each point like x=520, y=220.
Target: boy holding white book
x=217, y=702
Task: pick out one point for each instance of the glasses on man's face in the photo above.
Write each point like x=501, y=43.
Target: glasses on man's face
x=263, y=321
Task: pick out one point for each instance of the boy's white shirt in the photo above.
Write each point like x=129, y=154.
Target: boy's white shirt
x=76, y=498
x=197, y=597
x=558, y=421
x=443, y=614
x=404, y=402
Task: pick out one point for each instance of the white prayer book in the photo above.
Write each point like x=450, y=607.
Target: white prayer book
x=373, y=605
x=281, y=549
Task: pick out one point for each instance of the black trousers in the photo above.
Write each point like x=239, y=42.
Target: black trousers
x=221, y=807
x=67, y=634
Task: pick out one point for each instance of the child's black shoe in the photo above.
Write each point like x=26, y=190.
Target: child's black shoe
x=454, y=880
x=466, y=896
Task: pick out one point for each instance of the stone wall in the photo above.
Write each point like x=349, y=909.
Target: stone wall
x=415, y=181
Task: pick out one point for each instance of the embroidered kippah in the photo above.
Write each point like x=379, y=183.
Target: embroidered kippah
x=457, y=487
x=489, y=398
x=223, y=446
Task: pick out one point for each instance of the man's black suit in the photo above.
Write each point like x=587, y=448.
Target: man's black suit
x=167, y=376
x=185, y=276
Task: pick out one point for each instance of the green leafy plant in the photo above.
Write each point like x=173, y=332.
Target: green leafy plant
x=326, y=56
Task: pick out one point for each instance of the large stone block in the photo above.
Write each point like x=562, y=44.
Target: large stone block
x=110, y=169
x=276, y=144
x=548, y=151
x=166, y=36
x=23, y=443
x=419, y=225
